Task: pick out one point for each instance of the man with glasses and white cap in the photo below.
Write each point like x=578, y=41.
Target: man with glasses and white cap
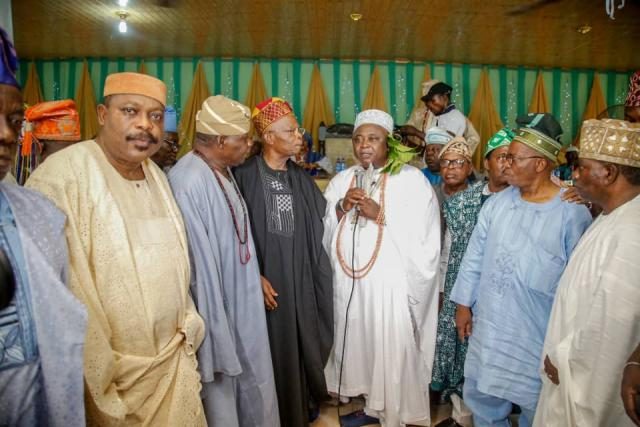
x=382, y=232
x=285, y=210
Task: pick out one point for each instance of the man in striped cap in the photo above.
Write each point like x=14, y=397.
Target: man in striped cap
x=286, y=209
x=234, y=360
x=509, y=275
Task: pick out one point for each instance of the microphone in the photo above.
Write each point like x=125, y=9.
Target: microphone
x=359, y=174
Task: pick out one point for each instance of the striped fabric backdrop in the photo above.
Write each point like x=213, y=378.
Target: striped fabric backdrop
x=346, y=83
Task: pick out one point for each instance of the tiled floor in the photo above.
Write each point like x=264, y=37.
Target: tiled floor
x=329, y=414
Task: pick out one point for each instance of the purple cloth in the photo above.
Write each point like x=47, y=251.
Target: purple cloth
x=8, y=62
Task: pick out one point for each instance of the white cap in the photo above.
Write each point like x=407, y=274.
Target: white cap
x=374, y=117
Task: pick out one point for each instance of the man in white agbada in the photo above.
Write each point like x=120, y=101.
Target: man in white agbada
x=391, y=280
x=595, y=320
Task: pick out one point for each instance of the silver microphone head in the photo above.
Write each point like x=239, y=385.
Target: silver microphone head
x=359, y=174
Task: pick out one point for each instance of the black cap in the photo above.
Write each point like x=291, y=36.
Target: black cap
x=542, y=122
x=437, y=89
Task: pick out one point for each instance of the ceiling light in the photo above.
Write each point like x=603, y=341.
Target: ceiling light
x=123, y=3
x=584, y=29
x=355, y=16
x=122, y=26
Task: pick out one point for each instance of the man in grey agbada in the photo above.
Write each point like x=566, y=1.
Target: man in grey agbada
x=238, y=387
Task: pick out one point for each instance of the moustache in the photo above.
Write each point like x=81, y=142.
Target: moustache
x=142, y=136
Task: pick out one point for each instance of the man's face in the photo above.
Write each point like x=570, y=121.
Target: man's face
x=166, y=155
x=431, y=153
x=454, y=168
x=587, y=178
x=284, y=137
x=632, y=114
x=496, y=164
x=370, y=145
x=132, y=127
x=437, y=103
x=11, y=117
x=523, y=165
x=236, y=149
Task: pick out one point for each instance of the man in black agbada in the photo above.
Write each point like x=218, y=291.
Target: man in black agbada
x=286, y=209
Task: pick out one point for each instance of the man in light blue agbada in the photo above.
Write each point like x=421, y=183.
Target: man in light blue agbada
x=509, y=275
x=42, y=324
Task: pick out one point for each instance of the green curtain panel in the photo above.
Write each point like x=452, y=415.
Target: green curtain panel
x=346, y=83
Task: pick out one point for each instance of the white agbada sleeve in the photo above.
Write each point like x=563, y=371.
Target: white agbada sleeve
x=590, y=358
x=413, y=223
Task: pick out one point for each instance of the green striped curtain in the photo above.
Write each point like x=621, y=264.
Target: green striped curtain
x=346, y=83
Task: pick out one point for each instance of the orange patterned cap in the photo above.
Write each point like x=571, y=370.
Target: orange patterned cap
x=54, y=120
x=269, y=111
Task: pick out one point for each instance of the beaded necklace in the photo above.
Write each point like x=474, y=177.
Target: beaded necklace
x=359, y=273
x=243, y=242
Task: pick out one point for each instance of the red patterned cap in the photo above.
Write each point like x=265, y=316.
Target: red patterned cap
x=633, y=98
x=269, y=111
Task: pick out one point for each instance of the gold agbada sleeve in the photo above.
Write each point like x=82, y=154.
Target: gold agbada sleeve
x=129, y=265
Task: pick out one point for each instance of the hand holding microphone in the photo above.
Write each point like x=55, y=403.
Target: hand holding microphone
x=357, y=197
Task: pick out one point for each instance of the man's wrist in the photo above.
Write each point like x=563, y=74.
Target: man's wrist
x=340, y=206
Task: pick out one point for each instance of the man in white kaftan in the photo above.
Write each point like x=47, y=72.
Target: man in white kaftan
x=595, y=320
x=390, y=340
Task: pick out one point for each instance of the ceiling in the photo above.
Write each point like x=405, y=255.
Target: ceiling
x=455, y=31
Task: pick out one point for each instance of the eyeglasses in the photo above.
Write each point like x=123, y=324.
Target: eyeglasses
x=501, y=157
x=510, y=158
x=291, y=132
x=173, y=145
x=453, y=164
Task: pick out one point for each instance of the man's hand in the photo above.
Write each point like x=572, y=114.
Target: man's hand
x=269, y=294
x=630, y=390
x=369, y=208
x=463, y=321
x=551, y=371
x=571, y=195
x=410, y=131
x=352, y=198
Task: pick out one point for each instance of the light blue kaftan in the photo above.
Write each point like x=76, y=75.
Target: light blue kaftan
x=509, y=276
x=42, y=330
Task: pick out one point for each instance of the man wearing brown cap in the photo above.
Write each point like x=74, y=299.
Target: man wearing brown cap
x=286, y=209
x=234, y=360
x=595, y=320
x=129, y=263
